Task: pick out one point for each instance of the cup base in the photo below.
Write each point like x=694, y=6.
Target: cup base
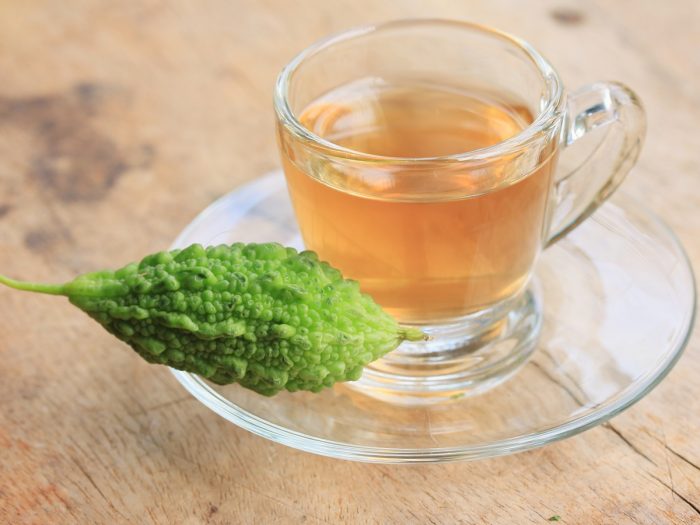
x=462, y=358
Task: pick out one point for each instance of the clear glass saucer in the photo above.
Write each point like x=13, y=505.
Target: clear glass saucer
x=619, y=305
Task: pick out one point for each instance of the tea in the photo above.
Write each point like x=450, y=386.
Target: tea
x=438, y=254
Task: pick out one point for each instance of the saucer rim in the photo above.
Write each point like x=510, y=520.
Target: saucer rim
x=225, y=408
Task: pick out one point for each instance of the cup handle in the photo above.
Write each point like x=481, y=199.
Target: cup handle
x=607, y=123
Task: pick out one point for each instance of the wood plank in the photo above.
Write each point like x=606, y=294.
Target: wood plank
x=121, y=120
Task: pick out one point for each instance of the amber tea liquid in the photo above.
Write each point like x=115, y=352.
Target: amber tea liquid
x=436, y=255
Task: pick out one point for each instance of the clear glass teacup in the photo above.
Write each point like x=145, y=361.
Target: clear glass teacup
x=433, y=161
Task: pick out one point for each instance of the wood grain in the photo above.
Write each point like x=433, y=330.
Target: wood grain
x=120, y=120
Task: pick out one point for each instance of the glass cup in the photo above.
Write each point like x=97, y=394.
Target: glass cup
x=433, y=161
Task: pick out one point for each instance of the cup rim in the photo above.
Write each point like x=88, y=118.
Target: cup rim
x=546, y=118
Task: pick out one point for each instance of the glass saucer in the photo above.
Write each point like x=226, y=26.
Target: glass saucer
x=619, y=304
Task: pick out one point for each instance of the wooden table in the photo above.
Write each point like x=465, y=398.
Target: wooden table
x=119, y=121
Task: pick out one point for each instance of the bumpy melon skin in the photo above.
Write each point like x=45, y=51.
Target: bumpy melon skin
x=261, y=315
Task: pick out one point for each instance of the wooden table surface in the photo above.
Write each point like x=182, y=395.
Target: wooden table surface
x=119, y=121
